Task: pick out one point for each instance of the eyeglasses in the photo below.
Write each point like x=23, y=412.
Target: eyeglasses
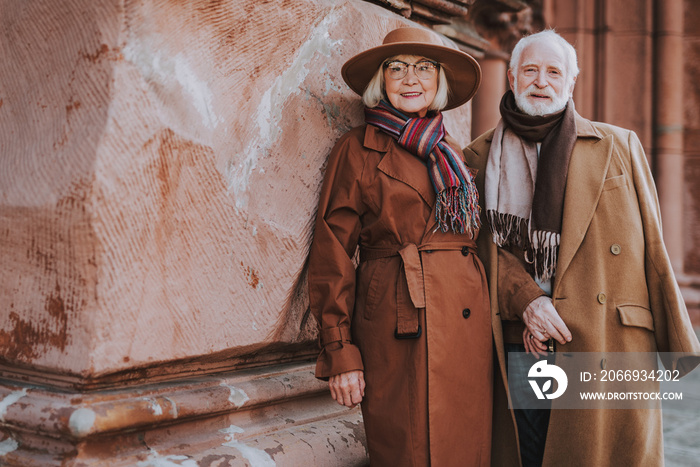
x=425, y=69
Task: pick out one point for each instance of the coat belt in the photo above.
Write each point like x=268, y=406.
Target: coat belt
x=410, y=293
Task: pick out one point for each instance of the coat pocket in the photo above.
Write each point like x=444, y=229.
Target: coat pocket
x=635, y=315
x=614, y=182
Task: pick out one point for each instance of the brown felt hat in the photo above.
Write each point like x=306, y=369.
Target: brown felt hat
x=462, y=71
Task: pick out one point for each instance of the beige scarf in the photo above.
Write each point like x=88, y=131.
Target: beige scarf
x=525, y=193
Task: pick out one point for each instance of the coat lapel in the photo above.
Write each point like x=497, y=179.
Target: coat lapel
x=400, y=165
x=588, y=167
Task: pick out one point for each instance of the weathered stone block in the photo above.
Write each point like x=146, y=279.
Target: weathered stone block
x=159, y=176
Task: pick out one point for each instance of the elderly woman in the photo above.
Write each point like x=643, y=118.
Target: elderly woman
x=407, y=334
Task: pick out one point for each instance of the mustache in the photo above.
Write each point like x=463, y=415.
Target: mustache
x=532, y=89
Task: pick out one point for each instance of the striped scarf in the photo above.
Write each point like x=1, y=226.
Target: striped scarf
x=457, y=202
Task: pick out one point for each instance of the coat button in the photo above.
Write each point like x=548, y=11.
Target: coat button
x=602, y=298
x=465, y=251
x=466, y=312
x=615, y=249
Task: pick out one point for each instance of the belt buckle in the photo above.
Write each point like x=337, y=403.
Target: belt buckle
x=416, y=335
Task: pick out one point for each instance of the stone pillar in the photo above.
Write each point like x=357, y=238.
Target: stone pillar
x=668, y=124
x=159, y=171
x=486, y=102
x=691, y=158
x=576, y=22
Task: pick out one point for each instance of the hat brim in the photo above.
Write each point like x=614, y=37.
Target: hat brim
x=462, y=71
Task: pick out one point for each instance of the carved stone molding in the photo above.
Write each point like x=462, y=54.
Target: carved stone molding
x=281, y=414
x=480, y=27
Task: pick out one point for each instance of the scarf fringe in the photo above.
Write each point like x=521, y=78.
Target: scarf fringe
x=505, y=228
x=543, y=252
x=457, y=208
x=541, y=246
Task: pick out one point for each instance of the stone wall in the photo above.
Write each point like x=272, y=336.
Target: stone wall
x=161, y=162
x=159, y=169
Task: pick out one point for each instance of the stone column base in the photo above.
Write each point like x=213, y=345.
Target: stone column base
x=271, y=416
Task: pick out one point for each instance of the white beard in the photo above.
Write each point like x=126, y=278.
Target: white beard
x=542, y=108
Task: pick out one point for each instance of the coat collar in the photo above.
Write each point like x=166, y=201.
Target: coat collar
x=585, y=128
x=376, y=140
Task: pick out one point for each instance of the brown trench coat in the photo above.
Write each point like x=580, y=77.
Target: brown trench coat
x=614, y=288
x=428, y=400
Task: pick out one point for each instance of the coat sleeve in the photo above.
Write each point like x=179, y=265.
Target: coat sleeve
x=516, y=287
x=331, y=268
x=673, y=330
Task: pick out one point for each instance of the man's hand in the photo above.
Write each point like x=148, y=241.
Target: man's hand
x=543, y=322
x=348, y=388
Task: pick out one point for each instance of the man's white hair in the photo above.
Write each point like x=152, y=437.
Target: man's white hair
x=548, y=35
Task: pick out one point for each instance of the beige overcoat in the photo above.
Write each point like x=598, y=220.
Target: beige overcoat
x=614, y=288
x=428, y=400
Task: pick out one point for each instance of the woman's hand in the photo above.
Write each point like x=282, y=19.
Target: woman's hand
x=348, y=388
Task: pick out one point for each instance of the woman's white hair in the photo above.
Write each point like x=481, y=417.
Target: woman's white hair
x=548, y=35
x=374, y=92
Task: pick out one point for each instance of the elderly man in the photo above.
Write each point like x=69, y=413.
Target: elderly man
x=575, y=256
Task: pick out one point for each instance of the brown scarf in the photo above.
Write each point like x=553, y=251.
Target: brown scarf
x=524, y=195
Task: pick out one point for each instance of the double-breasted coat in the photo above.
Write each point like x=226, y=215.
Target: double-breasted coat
x=428, y=399
x=614, y=288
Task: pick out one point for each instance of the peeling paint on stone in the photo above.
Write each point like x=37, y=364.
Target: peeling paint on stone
x=237, y=397
x=268, y=115
x=256, y=457
x=157, y=66
x=253, y=278
x=155, y=407
x=357, y=430
x=81, y=421
x=7, y=446
x=9, y=400
x=156, y=460
x=173, y=407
